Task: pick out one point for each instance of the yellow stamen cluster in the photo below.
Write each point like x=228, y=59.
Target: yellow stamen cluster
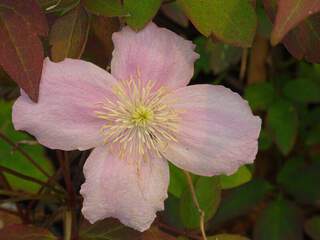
x=139, y=122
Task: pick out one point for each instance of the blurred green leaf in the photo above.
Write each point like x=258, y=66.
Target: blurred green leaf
x=312, y=227
x=14, y=160
x=301, y=180
x=303, y=90
x=227, y=237
x=108, y=229
x=202, y=64
x=171, y=213
x=279, y=221
x=242, y=176
x=265, y=140
x=260, y=95
x=264, y=23
x=208, y=192
x=283, y=122
x=178, y=181
x=215, y=57
x=313, y=136
x=233, y=21
x=109, y=8
x=141, y=12
x=240, y=200
x=222, y=56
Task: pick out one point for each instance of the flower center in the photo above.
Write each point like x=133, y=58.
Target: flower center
x=139, y=121
x=141, y=116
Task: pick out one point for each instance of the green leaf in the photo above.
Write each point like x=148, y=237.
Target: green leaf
x=264, y=23
x=14, y=160
x=178, y=182
x=242, y=176
x=303, y=90
x=265, y=140
x=25, y=232
x=279, y=221
x=208, y=192
x=137, y=13
x=141, y=12
x=260, y=95
x=171, y=213
x=283, y=122
x=109, y=8
x=313, y=136
x=108, y=229
x=222, y=56
x=303, y=187
x=312, y=227
x=202, y=62
x=240, y=200
x=227, y=237
x=233, y=21
x=68, y=35
x=215, y=57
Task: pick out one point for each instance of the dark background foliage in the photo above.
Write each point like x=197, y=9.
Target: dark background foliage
x=265, y=50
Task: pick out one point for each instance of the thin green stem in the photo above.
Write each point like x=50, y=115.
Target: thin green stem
x=196, y=203
x=23, y=153
x=28, y=178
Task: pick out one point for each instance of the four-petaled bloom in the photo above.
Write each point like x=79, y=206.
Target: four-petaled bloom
x=137, y=118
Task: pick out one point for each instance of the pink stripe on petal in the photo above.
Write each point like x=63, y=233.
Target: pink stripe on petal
x=114, y=188
x=157, y=53
x=64, y=116
x=218, y=132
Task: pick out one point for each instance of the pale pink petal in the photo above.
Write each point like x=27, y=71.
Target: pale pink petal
x=115, y=188
x=157, y=53
x=64, y=116
x=217, y=132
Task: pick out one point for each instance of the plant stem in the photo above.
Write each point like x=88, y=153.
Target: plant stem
x=21, y=213
x=28, y=178
x=24, y=153
x=196, y=203
x=68, y=225
x=64, y=164
x=243, y=67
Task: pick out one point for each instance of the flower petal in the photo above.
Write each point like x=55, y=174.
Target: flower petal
x=157, y=53
x=217, y=133
x=64, y=116
x=114, y=188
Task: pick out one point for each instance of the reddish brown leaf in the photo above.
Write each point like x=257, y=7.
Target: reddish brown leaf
x=31, y=11
x=69, y=35
x=108, y=229
x=7, y=218
x=172, y=11
x=304, y=40
x=289, y=14
x=155, y=233
x=103, y=28
x=25, y=232
x=21, y=53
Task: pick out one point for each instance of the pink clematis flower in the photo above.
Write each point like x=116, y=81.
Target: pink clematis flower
x=137, y=118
